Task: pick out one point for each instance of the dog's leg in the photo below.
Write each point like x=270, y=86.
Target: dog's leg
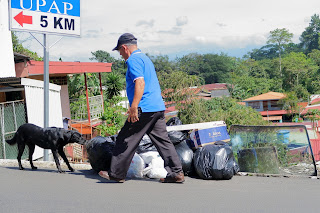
x=31, y=151
x=56, y=159
x=63, y=155
x=20, y=152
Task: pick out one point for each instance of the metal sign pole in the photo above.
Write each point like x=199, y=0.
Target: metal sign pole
x=46, y=88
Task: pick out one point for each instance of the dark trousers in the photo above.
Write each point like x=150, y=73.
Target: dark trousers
x=153, y=124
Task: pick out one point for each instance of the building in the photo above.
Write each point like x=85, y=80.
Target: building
x=268, y=105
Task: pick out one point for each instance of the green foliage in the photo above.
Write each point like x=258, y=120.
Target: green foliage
x=113, y=119
x=219, y=109
x=76, y=85
x=213, y=68
x=162, y=63
x=176, y=85
x=310, y=37
x=290, y=103
x=114, y=83
x=18, y=48
x=102, y=56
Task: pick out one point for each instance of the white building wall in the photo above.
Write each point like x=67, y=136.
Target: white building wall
x=7, y=68
x=35, y=106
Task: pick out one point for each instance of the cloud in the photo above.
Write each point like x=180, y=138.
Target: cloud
x=145, y=23
x=221, y=24
x=182, y=20
x=172, y=31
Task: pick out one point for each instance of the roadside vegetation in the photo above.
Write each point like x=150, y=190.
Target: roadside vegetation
x=279, y=66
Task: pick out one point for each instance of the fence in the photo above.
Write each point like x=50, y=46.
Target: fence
x=78, y=108
x=12, y=115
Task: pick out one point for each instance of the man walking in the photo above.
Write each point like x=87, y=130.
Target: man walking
x=145, y=116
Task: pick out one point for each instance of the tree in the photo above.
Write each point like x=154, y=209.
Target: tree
x=102, y=56
x=290, y=103
x=18, y=48
x=115, y=83
x=280, y=37
x=309, y=39
x=298, y=69
x=162, y=63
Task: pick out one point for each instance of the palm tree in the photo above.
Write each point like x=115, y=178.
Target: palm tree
x=114, y=83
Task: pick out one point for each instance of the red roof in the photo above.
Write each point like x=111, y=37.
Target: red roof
x=315, y=101
x=305, y=110
x=57, y=67
x=273, y=112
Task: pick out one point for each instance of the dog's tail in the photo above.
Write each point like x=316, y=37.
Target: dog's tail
x=12, y=141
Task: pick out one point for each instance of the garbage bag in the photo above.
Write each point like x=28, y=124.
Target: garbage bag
x=136, y=167
x=149, y=156
x=155, y=168
x=145, y=145
x=186, y=156
x=174, y=121
x=99, y=151
x=215, y=161
x=176, y=136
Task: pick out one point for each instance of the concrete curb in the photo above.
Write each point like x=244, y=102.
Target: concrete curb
x=43, y=164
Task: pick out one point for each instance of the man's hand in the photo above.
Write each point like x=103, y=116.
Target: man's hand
x=133, y=114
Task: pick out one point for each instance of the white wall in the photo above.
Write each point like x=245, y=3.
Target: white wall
x=6, y=53
x=35, y=106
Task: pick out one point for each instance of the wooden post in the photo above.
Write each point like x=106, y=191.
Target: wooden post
x=87, y=96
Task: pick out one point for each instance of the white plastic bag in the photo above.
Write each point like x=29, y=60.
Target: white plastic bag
x=155, y=169
x=136, y=167
x=148, y=156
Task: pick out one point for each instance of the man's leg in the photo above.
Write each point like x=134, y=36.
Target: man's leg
x=127, y=142
x=159, y=136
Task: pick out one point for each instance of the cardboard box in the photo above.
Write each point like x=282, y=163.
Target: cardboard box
x=203, y=137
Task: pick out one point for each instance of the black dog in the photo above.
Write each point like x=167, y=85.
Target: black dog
x=48, y=138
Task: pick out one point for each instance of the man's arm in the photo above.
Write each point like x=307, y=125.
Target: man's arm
x=138, y=92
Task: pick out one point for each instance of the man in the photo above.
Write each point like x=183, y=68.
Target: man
x=145, y=116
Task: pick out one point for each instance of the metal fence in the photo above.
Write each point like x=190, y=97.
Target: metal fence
x=12, y=115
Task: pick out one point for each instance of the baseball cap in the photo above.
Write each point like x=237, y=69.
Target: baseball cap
x=126, y=38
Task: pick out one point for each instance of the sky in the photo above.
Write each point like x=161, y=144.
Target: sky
x=178, y=27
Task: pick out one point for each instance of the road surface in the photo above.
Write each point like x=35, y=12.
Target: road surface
x=45, y=190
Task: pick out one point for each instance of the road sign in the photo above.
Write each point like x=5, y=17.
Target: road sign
x=46, y=16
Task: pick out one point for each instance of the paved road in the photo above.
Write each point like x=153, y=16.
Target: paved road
x=45, y=190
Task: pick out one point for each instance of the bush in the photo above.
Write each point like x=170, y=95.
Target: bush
x=219, y=109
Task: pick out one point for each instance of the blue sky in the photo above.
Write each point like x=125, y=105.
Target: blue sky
x=179, y=27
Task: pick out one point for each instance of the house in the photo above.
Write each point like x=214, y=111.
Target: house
x=205, y=92
x=268, y=105
x=216, y=90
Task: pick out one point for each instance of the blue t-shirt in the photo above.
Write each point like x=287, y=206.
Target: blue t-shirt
x=140, y=66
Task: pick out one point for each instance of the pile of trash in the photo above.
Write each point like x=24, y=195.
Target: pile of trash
x=212, y=161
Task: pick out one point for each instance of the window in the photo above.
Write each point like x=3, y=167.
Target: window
x=254, y=105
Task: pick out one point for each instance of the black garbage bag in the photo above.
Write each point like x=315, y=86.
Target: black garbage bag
x=99, y=151
x=176, y=136
x=174, y=121
x=145, y=145
x=215, y=161
x=186, y=156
